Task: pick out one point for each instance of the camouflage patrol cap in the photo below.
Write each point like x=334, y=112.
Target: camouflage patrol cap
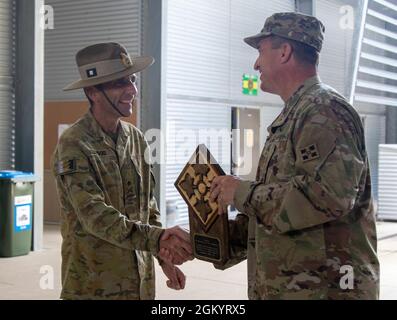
x=290, y=25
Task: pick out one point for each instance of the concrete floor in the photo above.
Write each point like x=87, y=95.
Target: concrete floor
x=26, y=277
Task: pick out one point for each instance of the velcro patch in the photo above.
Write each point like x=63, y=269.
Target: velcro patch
x=309, y=153
x=92, y=73
x=66, y=166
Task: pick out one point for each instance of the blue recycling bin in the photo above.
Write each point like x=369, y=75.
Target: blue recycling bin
x=16, y=212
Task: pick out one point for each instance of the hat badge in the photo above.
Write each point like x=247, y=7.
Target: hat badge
x=126, y=60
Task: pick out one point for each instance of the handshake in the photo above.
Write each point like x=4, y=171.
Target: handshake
x=174, y=249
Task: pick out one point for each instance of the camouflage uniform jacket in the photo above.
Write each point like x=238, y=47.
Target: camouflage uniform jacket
x=110, y=220
x=308, y=219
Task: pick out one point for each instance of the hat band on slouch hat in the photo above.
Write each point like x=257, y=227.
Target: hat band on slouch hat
x=101, y=69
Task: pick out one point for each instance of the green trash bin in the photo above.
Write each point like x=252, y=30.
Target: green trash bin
x=16, y=213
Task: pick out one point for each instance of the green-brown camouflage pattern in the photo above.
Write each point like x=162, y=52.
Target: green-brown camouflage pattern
x=295, y=26
x=110, y=221
x=309, y=216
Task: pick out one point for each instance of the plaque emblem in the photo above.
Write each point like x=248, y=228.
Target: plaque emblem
x=194, y=185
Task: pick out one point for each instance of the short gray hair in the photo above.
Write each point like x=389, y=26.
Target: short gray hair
x=303, y=53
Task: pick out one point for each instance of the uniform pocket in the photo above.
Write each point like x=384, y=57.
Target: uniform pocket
x=264, y=162
x=269, y=163
x=136, y=168
x=106, y=167
x=132, y=185
x=280, y=162
x=108, y=176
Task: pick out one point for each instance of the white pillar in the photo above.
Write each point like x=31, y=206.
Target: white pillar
x=29, y=116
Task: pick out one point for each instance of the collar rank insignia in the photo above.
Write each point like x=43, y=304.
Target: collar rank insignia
x=309, y=153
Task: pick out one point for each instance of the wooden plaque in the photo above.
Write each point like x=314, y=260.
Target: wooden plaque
x=209, y=231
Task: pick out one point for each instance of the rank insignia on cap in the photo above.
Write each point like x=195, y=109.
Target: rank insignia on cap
x=91, y=73
x=67, y=166
x=126, y=60
x=309, y=153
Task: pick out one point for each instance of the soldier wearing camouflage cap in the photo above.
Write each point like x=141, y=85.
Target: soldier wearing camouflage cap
x=110, y=222
x=307, y=222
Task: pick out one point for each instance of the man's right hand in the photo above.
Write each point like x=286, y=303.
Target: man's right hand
x=175, y=246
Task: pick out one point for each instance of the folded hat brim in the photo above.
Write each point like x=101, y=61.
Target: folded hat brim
x=140, y=64
x=253, y=41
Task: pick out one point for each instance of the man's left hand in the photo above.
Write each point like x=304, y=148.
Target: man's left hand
x=176, y=278
x=223, y=189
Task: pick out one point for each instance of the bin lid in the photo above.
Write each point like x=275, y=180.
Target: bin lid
x=12, y=175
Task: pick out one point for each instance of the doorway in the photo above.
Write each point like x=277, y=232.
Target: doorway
x=245, y=150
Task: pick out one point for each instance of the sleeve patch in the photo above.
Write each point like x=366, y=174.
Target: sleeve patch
x=66, y=167
x=309, y=153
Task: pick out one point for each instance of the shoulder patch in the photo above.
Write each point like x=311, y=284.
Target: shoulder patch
x=66, y=166
x=309, y=153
